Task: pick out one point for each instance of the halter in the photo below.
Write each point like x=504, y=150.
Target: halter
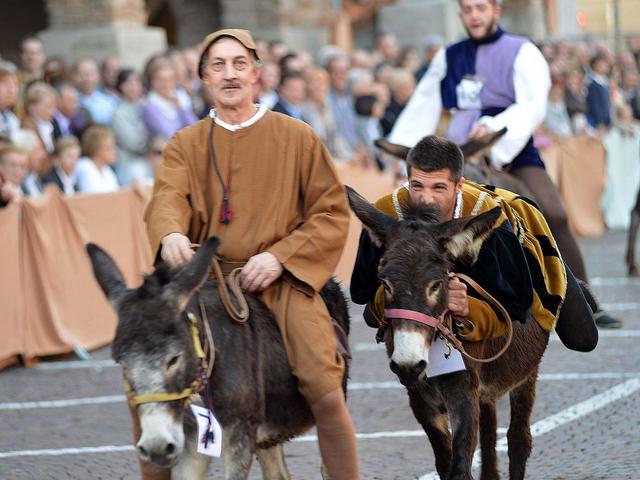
x=204, y=369
x=444, y=323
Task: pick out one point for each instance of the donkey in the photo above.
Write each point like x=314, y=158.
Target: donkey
x=251, y=389
x=420, y=252
x=476, y=164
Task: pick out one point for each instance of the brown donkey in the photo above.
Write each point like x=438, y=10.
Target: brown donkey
x=419, y=254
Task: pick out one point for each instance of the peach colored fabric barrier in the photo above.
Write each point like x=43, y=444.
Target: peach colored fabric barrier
x=50, y=299
x=12, y=326
x=60, y=305
x=576, y=165
x=372, y=185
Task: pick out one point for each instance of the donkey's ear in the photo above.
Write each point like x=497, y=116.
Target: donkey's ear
x=394, y=149
x=463, y=237
x=375, y=221
x=475, y=145
x=107, y=273
x=191, y=277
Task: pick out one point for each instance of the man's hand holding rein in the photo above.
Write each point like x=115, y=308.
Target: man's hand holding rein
x=176, y=249
x=260, y=271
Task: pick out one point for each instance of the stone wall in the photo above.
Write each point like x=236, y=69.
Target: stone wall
x=303, y=24
x=99, y=28
x=87, y=13
x=195, y=19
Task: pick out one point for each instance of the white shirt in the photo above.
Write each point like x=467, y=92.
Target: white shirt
x=68, y=182
x=262, y=109
x=531, y=81
x=45, y=129
x=91, y=179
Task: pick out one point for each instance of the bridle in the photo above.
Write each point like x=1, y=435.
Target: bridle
x=205, y=367
x=444, y=323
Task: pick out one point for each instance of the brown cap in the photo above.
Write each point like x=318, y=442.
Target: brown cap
x=243, y=36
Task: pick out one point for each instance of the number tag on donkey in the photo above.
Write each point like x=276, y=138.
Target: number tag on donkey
x=209, y=432
x=438, y=363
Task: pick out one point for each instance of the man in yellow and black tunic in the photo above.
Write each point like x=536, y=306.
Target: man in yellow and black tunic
x=265, y=184
x=519, y=263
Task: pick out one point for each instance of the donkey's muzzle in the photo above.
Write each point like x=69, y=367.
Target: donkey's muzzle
x=408, y=374
x=160, y=452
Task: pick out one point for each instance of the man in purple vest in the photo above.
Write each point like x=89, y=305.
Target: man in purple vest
x=488, y=81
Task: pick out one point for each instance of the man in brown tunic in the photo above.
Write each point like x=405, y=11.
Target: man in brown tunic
x=270, y=192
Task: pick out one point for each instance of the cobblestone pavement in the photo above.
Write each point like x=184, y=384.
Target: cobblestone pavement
x=586, y=420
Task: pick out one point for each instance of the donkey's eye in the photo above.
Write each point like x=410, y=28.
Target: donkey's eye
x=173, y=361
x=434, y=287
x=388, y=288
x=432, y=291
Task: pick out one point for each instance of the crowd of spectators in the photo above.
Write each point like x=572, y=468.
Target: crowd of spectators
x=596, y=92
x=591, y=86
x=95, y=127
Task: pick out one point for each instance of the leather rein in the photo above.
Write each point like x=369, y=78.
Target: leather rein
x=444, y=323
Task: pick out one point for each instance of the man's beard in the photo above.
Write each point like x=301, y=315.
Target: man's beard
x=490, y=30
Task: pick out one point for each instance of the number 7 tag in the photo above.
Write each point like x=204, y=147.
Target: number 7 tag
x=209, y=432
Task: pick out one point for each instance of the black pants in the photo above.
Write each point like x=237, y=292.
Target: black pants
x=576, y=326
x=547, y=196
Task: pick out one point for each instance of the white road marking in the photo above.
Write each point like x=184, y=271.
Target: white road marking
x=356, y=347
x=620, y=306
x=539, y=428
x=66, y=451
x=564, y=416
x=614, y=281
x=72, y=402
x=97, y=364
x=617, y=333
x=126, y=448
x=392, y=434
x=390, y=385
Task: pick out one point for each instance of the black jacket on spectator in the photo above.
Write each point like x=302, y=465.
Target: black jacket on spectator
x=280, y=108
x=598, y=105
x=390, y=116
x=635, y=105
x=53, y=177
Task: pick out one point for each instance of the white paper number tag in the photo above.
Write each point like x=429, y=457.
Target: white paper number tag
x=208, y=444
x=468, y=93
x=439, y=364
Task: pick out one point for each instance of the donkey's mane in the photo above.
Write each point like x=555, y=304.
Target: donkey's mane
x=422, y=213
x=153, y=283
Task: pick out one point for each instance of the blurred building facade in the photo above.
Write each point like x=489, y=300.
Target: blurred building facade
x=134, y=29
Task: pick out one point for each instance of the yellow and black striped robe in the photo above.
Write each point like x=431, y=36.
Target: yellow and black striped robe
x=519, y=264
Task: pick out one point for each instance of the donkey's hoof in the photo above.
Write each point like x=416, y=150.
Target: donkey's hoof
x=633, y=271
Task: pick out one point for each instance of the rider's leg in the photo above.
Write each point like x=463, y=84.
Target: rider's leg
x=576, y=326
x=550, y=202
x=312, y=351
x=336, y=436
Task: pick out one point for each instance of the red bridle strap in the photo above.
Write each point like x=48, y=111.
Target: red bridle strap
x=415, y=316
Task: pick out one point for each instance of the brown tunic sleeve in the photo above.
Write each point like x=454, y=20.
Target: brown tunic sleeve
x=169, y=210
x=312, y=251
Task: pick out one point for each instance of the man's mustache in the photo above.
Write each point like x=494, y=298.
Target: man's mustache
x=231, y=85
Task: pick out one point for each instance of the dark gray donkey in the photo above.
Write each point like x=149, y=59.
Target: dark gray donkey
x=419, y=254
x=252, y=391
